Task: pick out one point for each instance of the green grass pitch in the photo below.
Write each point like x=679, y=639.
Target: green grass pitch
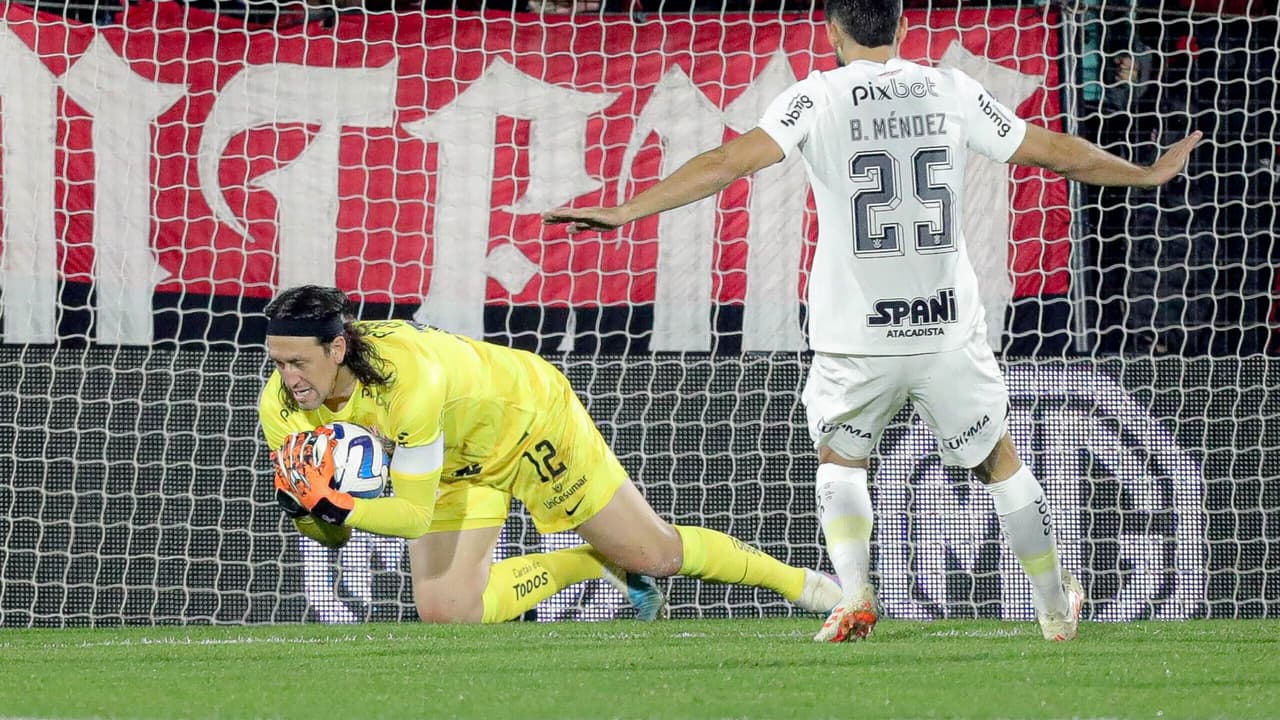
x=625, y=669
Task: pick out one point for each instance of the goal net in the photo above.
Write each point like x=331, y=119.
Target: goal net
x=165, y=170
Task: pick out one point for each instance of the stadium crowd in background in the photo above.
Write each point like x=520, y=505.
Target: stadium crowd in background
x=1157, y=251
x=1189, y=269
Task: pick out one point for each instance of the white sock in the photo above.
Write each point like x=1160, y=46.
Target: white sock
x=1028, y=526
x=844, y=509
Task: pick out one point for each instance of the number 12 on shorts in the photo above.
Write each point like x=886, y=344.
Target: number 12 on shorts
x=543, y=458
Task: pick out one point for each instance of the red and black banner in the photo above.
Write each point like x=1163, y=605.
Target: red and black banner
x=164, y=177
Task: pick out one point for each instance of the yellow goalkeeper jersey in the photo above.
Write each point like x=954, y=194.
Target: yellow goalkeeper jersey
x=484, y=398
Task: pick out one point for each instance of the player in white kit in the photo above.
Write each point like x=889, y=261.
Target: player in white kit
x=894, y=310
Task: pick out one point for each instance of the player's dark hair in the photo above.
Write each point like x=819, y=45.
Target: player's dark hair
x=871, y=23
x=328, y=307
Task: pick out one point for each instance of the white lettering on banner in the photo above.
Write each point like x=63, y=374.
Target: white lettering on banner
x=686, y=124
x=307, y=188
x=775, y=235
x=927, y=528
x=28, y=272
x=125, y=268
x=465, y=131
x=124, y=106
x=1156, y=478
x=948, y=531
x=354, y=576
x=985, y=220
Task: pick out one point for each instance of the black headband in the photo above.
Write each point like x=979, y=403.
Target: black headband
x=325, y=328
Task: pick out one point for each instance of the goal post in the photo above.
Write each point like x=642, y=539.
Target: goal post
x=165, y=171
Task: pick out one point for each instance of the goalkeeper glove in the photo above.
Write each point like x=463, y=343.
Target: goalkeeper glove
x=289, y=505
x=304, y=469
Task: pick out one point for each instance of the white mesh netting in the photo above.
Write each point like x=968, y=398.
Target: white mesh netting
x=165, y=169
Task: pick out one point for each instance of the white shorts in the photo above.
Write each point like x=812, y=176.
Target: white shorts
x=960, y=395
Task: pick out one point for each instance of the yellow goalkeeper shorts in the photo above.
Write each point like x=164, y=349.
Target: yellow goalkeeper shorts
x=563, y=472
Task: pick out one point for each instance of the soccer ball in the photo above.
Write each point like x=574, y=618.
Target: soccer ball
x=360, y=463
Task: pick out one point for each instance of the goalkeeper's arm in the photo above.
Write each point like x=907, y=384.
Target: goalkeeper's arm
x=334, y=536
x=415, y=477
x=406, y=515
x=327, y=534
x=305, y=471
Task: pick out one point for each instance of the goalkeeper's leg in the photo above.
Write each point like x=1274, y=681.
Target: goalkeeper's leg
x=629, y=533
x=450, y=571
x=455, y=581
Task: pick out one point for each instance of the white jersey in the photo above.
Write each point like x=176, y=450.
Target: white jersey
x=885, y=147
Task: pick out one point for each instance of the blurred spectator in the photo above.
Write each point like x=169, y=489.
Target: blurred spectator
x=291, y=12
x=1157, y=259
x=99, y=12
x=540, y=7
x=563, y=7
x=1229, y=7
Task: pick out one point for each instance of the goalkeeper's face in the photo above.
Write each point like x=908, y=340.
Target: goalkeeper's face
x=308, y=369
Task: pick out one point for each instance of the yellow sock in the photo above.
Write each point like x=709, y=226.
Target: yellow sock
x=711, y=555
x=518, y=584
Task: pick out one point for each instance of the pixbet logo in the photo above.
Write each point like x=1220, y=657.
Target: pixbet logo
x=894, y=90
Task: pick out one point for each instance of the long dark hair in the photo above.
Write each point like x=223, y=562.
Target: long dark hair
x=871, y=23
x=314, y=302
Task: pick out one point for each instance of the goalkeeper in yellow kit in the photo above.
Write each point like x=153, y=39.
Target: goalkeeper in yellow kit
x=474, y=424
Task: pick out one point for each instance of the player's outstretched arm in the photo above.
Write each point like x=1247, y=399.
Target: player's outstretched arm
x=1078, y=159
x=703, y=176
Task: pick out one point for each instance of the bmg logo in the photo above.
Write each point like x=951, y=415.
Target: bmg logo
x=1003, y=126
x=798, y=105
